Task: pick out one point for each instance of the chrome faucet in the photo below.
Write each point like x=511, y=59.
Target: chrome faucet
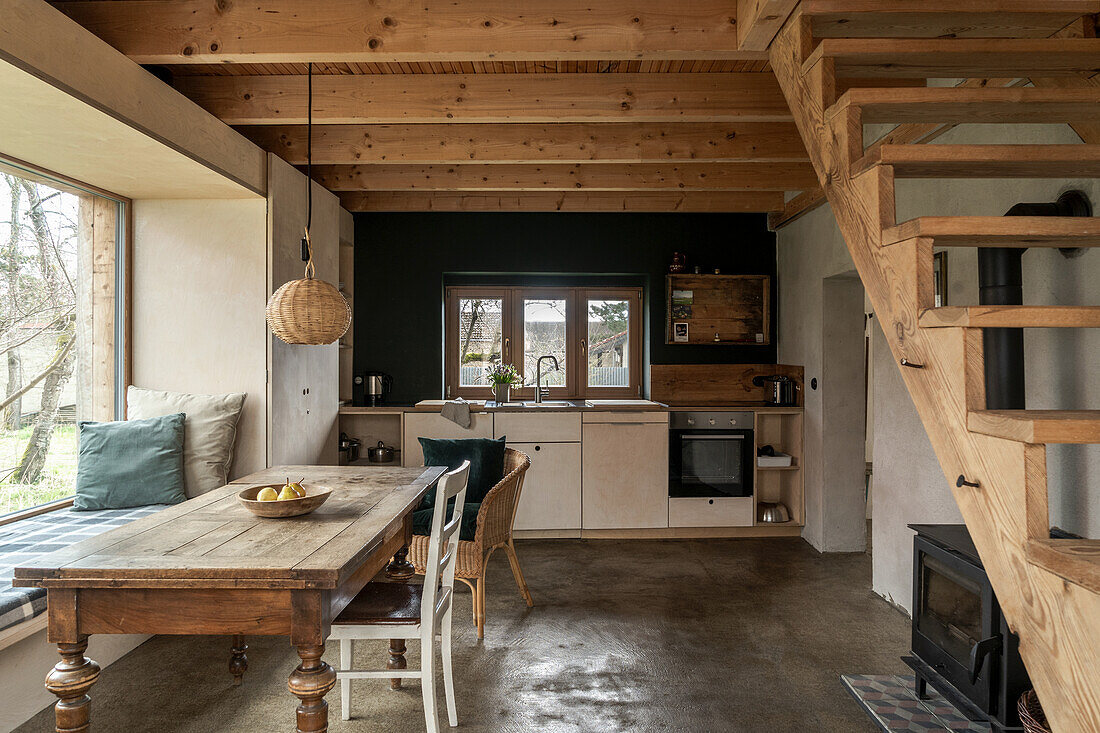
x=538, y=375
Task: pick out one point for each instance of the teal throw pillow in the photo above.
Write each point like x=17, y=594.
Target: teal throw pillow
x=130, y=463
x=486, y=457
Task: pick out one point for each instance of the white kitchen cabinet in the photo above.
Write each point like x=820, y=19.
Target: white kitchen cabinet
x=434, y=425
x=717, y=511
x=624, y=471
x=551, y=496
x=547, y=427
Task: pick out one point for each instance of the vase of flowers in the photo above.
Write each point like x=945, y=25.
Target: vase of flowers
x=502, y=377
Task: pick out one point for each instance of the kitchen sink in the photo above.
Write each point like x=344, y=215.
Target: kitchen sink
x=552, y=403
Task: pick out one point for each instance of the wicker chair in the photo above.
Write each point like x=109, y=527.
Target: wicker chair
x=494, y=531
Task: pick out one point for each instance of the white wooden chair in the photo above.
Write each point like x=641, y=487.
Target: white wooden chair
x=402, y=610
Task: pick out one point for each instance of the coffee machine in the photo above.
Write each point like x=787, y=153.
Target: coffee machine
x=371, y=388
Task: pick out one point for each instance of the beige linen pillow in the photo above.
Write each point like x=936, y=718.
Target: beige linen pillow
x=209, y=431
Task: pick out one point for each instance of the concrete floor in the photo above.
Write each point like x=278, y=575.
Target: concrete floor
x=716, y=635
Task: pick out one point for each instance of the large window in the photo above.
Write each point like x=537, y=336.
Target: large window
x=60, y=251
x=595, y=335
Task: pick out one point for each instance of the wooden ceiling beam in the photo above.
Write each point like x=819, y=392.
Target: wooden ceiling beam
x=942, y=18
x=566, y=201
x=569, y=177
x=641, y=142
x=531, y=98
x=758, y=22
x=295, y=31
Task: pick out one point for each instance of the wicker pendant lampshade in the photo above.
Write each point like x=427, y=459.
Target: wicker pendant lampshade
x=308, y=311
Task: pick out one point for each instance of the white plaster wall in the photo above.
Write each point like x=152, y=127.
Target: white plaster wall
x=199, y=291
x=810, y=250
x=909, y=485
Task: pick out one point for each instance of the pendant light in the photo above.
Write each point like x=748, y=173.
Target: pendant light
x=308, y=311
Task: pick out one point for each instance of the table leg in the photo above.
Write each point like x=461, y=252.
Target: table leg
x=238, y=662
x=70, y=680
x=310, y=682
x=397, y=661
x=400, y=568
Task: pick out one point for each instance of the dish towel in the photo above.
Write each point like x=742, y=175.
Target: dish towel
x=457, y=412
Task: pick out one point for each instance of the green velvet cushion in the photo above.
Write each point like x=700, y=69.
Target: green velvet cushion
x=422, y=520
x=486, y=457
x=130, y=463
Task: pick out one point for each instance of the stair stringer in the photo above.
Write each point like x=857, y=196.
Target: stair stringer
x=1058, y=622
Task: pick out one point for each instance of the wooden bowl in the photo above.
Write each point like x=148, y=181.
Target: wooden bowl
x=315, y=497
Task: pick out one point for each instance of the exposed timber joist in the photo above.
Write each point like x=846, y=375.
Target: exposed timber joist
x=287, y=31
x=942, y=18
x=759, y=20
x=569, y=177
x=532, y=98
x=579, y=201
x=643, y=142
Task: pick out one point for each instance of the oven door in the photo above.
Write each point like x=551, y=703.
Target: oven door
x=710, y=463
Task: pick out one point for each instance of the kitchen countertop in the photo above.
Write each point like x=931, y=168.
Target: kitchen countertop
x=577, y=406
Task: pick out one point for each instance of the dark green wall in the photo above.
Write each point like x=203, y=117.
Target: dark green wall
x=403, y=261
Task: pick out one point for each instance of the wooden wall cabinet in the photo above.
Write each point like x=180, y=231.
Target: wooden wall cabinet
x=624, y=471
x=718, y=309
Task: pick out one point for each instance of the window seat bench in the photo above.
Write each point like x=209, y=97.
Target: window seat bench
x=26, y=539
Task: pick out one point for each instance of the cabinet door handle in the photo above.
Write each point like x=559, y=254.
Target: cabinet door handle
x=538, y=447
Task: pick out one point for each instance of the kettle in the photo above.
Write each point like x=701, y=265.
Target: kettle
x=371, y=388
x=779, y=389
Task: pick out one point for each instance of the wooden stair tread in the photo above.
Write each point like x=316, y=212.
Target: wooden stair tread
x=951, y=58
x=936, y=18
x=1011, y=316
x=987, y=161
x=999, y=231
x=969, y=105
x=1037, y=426
x=1077, y=561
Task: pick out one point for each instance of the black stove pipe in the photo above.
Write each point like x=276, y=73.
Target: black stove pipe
x=1000, y=282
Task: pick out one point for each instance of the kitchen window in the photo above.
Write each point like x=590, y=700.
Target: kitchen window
x=594, y=333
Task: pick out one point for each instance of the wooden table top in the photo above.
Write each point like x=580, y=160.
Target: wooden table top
x=213, y=541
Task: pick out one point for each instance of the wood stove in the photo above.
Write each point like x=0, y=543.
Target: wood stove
x=961, y=644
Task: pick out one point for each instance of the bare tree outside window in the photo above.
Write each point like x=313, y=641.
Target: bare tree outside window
x=39, y=252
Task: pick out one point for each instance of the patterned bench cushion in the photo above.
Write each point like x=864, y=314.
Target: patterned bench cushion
x=27, y=539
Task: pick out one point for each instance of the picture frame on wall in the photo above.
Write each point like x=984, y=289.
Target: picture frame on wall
x=680, y=333
x=939, y=278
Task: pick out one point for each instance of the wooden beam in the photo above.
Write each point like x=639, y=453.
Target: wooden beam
x=759, y=20
x=642, y=142
x=942, y=18
x=568, y=177
x=532, y=98
x=287, y=31
x=796, y=207
x=576, y=201
x=42, y=42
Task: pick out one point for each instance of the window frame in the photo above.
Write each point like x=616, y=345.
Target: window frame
x=576, y=338
x=115, y=214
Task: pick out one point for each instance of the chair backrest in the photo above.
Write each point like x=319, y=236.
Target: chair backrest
x=499, y=506
x=439, y=575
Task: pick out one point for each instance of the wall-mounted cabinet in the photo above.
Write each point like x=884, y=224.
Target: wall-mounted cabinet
x=718, y=309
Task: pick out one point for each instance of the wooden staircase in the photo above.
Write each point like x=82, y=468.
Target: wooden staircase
x=995, y=460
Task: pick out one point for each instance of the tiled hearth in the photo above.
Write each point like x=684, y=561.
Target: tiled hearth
x=891, y=702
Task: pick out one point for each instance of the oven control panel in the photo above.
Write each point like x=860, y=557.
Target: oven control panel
x=718, y=420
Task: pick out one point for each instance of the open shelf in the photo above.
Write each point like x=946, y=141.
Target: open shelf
x=782, y=430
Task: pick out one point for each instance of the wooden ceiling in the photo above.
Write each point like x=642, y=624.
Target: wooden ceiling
x=521, y=105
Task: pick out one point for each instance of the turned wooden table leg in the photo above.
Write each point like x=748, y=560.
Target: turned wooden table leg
x=397, y=661
x=238, y=661
x=310, y=682
x=70, y=680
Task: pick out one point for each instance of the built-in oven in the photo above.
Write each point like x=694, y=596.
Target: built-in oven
x=710, y=454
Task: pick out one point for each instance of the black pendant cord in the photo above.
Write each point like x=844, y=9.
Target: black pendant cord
x=309, y=147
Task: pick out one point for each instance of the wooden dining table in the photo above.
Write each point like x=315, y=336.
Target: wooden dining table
x=209, y=566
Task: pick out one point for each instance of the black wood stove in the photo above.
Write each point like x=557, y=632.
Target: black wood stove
x=961, y=644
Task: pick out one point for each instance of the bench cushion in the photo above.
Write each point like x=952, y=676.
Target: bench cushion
x=30, y=538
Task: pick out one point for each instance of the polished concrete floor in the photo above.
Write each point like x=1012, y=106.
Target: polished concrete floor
x=717, y=635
